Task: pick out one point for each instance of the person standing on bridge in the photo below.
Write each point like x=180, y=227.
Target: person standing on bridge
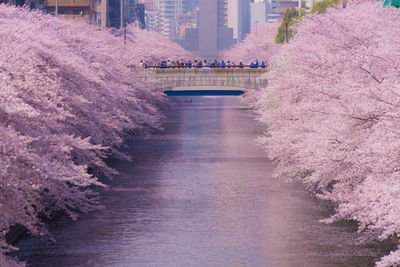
x=223, y=65
x=162, y=65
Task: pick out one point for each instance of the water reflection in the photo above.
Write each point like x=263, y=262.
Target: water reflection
x=200, y=193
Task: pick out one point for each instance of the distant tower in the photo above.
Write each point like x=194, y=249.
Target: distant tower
x=208, y=32
x=257, y=13
x=239, y=18
x=169, y=11
x=214, y=35
x=222, y=13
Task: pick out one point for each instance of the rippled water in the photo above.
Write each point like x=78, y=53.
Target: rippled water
x=200, y=193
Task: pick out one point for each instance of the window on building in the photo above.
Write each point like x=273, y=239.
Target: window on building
x=64, y=12
x=98, y=2
x=98, y=19
x=77, y=12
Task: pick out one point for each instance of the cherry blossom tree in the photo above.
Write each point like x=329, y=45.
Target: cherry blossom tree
x=144, y=42
x=69, y=96
x=259, y=44
x=332, y=108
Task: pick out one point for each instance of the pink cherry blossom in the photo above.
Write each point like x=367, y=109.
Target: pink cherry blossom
x=259, y=44
x=69, y=96
x=332, y=108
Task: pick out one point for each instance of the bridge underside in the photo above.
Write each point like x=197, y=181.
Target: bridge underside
x=204, y=91
x=206, y=87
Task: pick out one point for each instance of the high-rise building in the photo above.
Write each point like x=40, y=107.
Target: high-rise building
x=170, y=14
x=282, y=5
x=152, y=18
x=149, y=4
x=208, y=30
x=189, y=5
x=276, y=8
x=222, y=13
x=101, y=13
x=133, y=12
x=113, y=13
x=239, y=18
x=257, y=13
x=271, y=13
x=169, y=11
x=185, y=21
x=213, y=33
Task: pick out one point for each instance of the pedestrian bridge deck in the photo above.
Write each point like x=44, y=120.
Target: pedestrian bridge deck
x=206, y=78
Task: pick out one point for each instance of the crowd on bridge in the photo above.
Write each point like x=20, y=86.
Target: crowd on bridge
x=202, y=64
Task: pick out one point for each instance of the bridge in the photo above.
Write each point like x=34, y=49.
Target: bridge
x=214, y=81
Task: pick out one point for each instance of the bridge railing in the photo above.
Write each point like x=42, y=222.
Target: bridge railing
x=169, y=78
x=204, y=67
x=207, y=71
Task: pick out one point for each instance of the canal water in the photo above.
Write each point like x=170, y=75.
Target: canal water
x=200, y=193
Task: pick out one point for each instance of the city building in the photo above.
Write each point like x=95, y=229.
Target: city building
x=283, y=5
x=32, y=4
x=175, y=15
x=208, y=30
x=168, y=12
x=113, y=13
x=257, y=13
x=133, y=12
x=73, y=9
x=271, y=13
x=101, y=13
x=222, y=13
x=189, y=5
x=239, y=18
x=149, y=4
x=213, y=35
x=277, y=8
x=185, y=21
x=104, y=13
x=152, y=20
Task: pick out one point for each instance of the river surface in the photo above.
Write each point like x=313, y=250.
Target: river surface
x=200, y=193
